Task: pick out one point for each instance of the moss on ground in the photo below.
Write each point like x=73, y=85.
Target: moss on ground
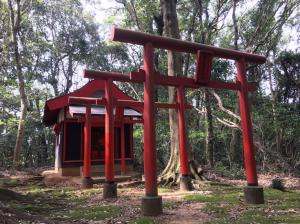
x=227, y=205
x=143, y=220
x=89, y=213
x=224, y=203
x=164, y=190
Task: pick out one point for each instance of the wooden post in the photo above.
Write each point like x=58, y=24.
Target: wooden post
x=250, y=164
x=123, y=165
x=151, y=203
x=87, y=143
x=185, y=181
x=182, y=132
x=253, y=193
x=110, y=188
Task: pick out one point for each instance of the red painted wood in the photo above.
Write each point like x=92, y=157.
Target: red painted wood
x=131, y=141
x=250, y=164
x=123, y=165
x=87, y=143
x=139, y=38
x=138, y=104
x=149, y=124
x=130, y=103
x=165, y=80
x=203, y=67
x=109, y=133
x=119, y=113
x=182, y=132
x=65, y=141
x=53, y=106
x=86, y=100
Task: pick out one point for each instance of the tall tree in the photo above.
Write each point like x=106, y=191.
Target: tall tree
x=175, y=63
x=15, y=23
x=233, y=146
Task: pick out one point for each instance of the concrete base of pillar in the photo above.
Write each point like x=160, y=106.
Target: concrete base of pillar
x=109, y=190
x=151, y=205
x=254, y=195
x=186, y=183
x=87, y=182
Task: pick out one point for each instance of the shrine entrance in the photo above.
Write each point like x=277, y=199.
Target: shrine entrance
x=152, y=202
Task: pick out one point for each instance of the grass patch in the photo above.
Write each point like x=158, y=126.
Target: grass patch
x=254, y=216
x=169, y=204
x=91, y=213
x=142, y=220
x=164, y=190
x=30, y=208
x=216, y=210
x=227, y=205
x=9, y=182
x=230, y=195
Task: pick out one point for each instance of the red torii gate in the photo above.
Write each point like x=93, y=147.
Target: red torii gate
x=152, y=203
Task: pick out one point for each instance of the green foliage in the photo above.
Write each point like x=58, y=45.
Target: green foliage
x=233, y=172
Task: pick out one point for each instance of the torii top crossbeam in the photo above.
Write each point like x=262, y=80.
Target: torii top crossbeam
x=135, y=37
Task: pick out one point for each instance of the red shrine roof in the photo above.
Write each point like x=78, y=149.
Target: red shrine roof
x=94, y=88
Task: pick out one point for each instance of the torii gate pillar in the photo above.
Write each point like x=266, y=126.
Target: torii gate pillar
x=253, y=193
x=109, y=187
x=151, y=202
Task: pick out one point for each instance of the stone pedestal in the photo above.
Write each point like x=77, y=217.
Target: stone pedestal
x=254, y=195
x=87, y=182
x=185, y=183
x=151, y=205
x=109, y=190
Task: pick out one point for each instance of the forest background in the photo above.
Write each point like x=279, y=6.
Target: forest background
x=44, y=45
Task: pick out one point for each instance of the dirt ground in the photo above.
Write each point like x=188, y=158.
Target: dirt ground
x=25, y=198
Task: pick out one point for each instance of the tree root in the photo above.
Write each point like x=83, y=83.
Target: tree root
x=172, y=178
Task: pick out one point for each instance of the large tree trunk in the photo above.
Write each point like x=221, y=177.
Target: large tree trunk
x=171, y=29
x=15, y=20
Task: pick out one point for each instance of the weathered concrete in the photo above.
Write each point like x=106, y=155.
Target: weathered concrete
x=110, y=190
x=254, y=195
x=151, y=205
x=185, y=183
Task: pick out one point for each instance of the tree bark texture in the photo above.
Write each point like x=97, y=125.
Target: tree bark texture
x=209, y=146
x=15, y=20
x=233, y=146
x=175, y=64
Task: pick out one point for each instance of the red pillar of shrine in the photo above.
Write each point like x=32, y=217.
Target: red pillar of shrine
x=122, y=150
x=151, y=202
x=87, y=181
x=110, y=187
x=185, y=180
x=253, y=193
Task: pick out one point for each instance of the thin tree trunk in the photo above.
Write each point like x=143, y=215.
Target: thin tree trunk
x=15, y=20
x=274, y=112
x=42, y=136
x=233, y=146
x=209, y=146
